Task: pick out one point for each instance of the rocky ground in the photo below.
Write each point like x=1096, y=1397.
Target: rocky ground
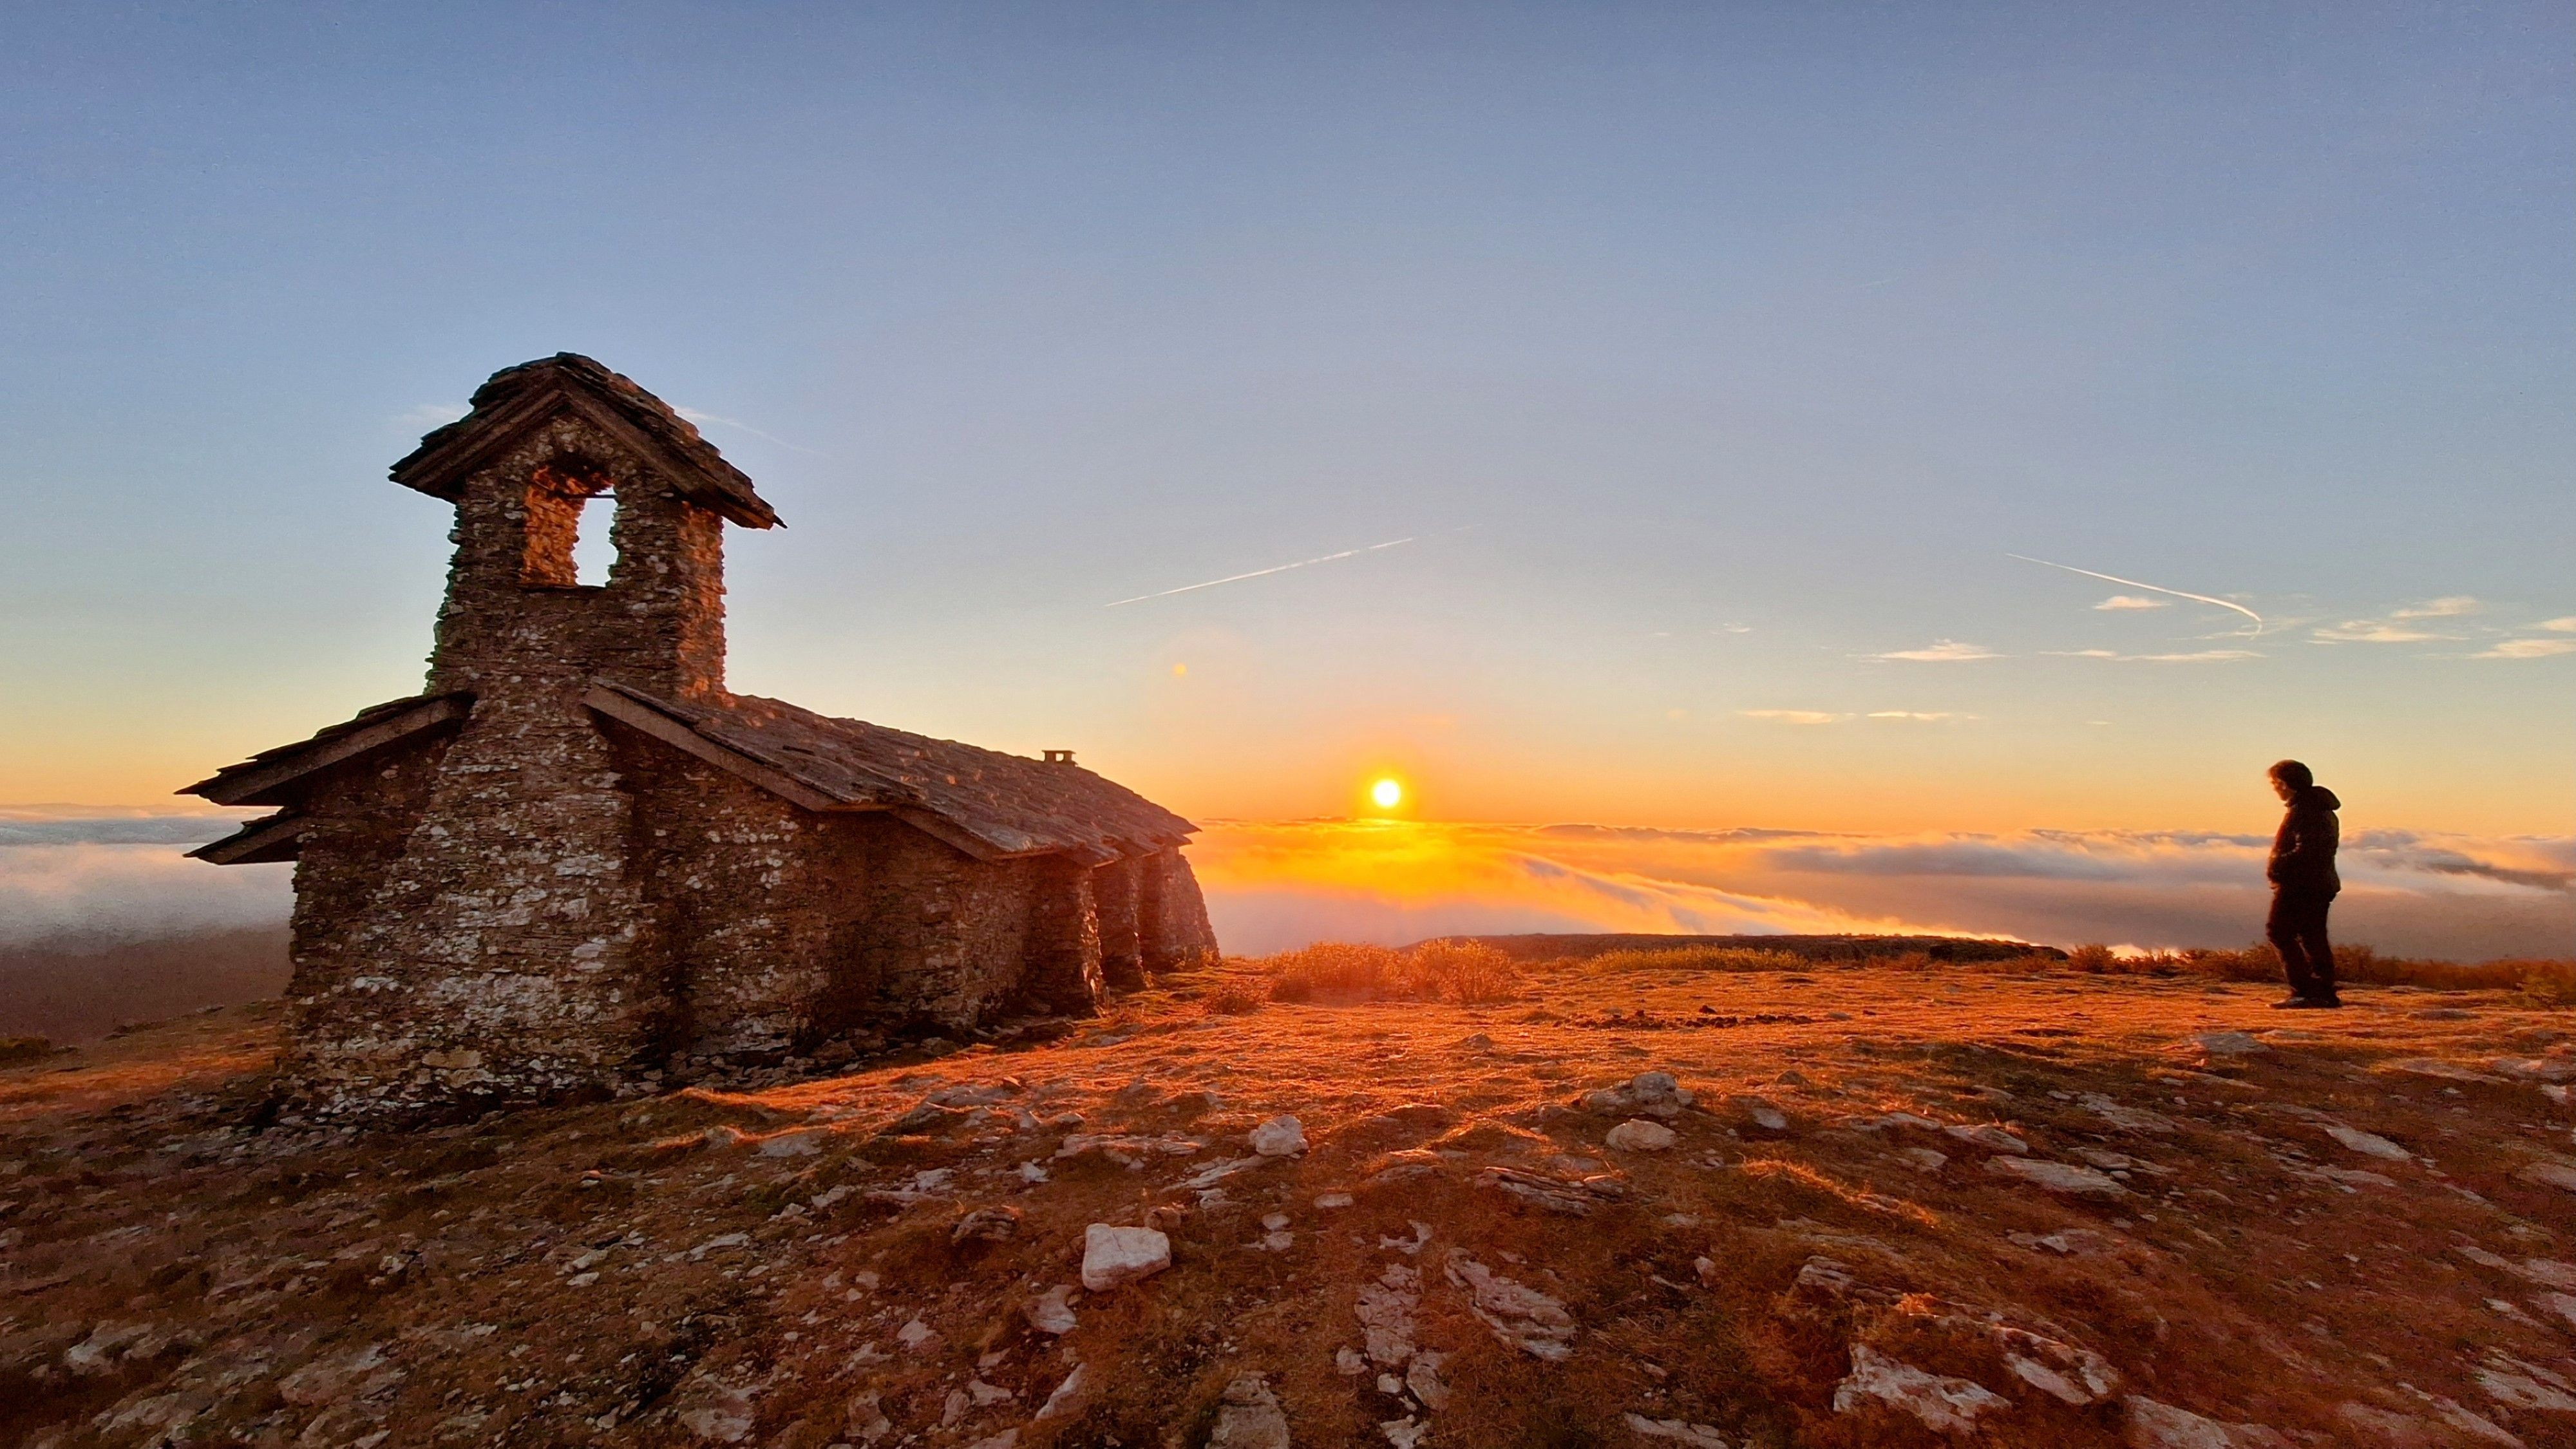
x=1843, y=1207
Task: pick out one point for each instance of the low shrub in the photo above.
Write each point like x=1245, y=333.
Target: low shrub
x=2095, y=959
x=1467, y=973
x=1235, y=998
x=1697, y=958
x=1330, y=970
x=2552, y=983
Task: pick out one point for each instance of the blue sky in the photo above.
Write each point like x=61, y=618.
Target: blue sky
x=1707, y=355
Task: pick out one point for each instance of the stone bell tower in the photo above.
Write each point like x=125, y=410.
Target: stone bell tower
x=551, y=447
x=508, y=933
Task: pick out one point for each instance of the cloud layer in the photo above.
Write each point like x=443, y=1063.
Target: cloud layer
x=1273, y=885
x=81, y=874
x=1276, y=885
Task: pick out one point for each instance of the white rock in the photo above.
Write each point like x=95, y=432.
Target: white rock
x=728, y=1425
x=1007, y=1439
x=802, y=1142
x=1422, y=1376
x=1991, y=1138
x=1048, y=1313
x=1064, y=1395
x=323, y=1381
x=2367, y=1142
x=2546, y=1174
x=1765, y=1114
x=2151, y=1425
x=2073, y=1242
x=1403, y=1433
x=1519, y=1315
x=2467, y=1422
x=1389, y=1385
x=1887, y=1121
x=1112, y=1257
x=2440, y=1070
x=2510, y=1381
x=1249, y=1417
x=1639, y=1135
x=915, y=1335
x=1945, y=1405
x=1273, y=1222
x=2126, y=1118
x=1350, y=1362
x=1279, y=1137
x=1216, y=1172
x=1331, y=1200
x=2063, y=1177
x=1922, y=1159
x=1385, y=1310
x=1656, y=1094
x=1697, y=1436
x=2227, y=1043
x=1409, y=1247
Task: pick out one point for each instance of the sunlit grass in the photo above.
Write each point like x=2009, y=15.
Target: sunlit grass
x=1471, y=972
x=1465, y=972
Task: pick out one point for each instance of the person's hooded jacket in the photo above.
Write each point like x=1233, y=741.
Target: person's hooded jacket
x=2303, y=853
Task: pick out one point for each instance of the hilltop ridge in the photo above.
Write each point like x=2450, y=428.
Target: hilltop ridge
x=1841, y=1206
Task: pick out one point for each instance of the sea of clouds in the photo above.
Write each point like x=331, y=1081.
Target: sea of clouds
x=70, y=875
x=1275, y=885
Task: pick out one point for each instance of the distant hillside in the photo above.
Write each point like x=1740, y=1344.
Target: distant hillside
x=1549, y=947
x=74, y=988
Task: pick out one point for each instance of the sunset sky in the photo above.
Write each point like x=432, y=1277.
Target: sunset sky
x=1705, y=367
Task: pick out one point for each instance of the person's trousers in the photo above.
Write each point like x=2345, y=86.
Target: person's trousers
x=2298, y=931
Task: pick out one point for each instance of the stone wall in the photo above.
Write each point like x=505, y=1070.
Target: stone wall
x=546, y=905
x=359, y=814
x=748, y=901
x=1171, y=915
x=513, y=608
x=1062, y=972
x=1122, y=958
x=502, y=949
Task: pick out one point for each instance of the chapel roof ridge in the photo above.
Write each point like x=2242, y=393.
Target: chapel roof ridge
x=517, y=399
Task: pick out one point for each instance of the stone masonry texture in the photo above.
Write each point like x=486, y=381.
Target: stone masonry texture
x=520, y=888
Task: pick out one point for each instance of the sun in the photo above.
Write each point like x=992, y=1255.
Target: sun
x=1387, y=793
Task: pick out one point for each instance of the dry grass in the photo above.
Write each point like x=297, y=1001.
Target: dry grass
x=1696, y=958
x=2237, y=1275
x=1463, y=973
x=1470, y=973
x=2547, y=981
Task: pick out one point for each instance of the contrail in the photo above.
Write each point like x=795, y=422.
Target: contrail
x=694, y=416
x=1256, y=573
x=2134, y=584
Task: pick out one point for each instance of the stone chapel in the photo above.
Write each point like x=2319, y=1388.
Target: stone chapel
x=577, y=865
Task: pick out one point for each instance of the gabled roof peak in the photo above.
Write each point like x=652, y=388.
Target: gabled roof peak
x=517, y=399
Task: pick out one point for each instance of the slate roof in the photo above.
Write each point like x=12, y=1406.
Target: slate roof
x=1011, y=804
x=517, y=399
x=268, y=777
x=983, y=801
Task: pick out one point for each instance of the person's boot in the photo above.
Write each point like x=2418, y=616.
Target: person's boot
x=2302, y=1003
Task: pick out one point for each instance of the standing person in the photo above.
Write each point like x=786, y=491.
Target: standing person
x=2303, y=886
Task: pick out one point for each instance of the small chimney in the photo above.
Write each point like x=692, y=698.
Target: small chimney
x=1059, y=757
